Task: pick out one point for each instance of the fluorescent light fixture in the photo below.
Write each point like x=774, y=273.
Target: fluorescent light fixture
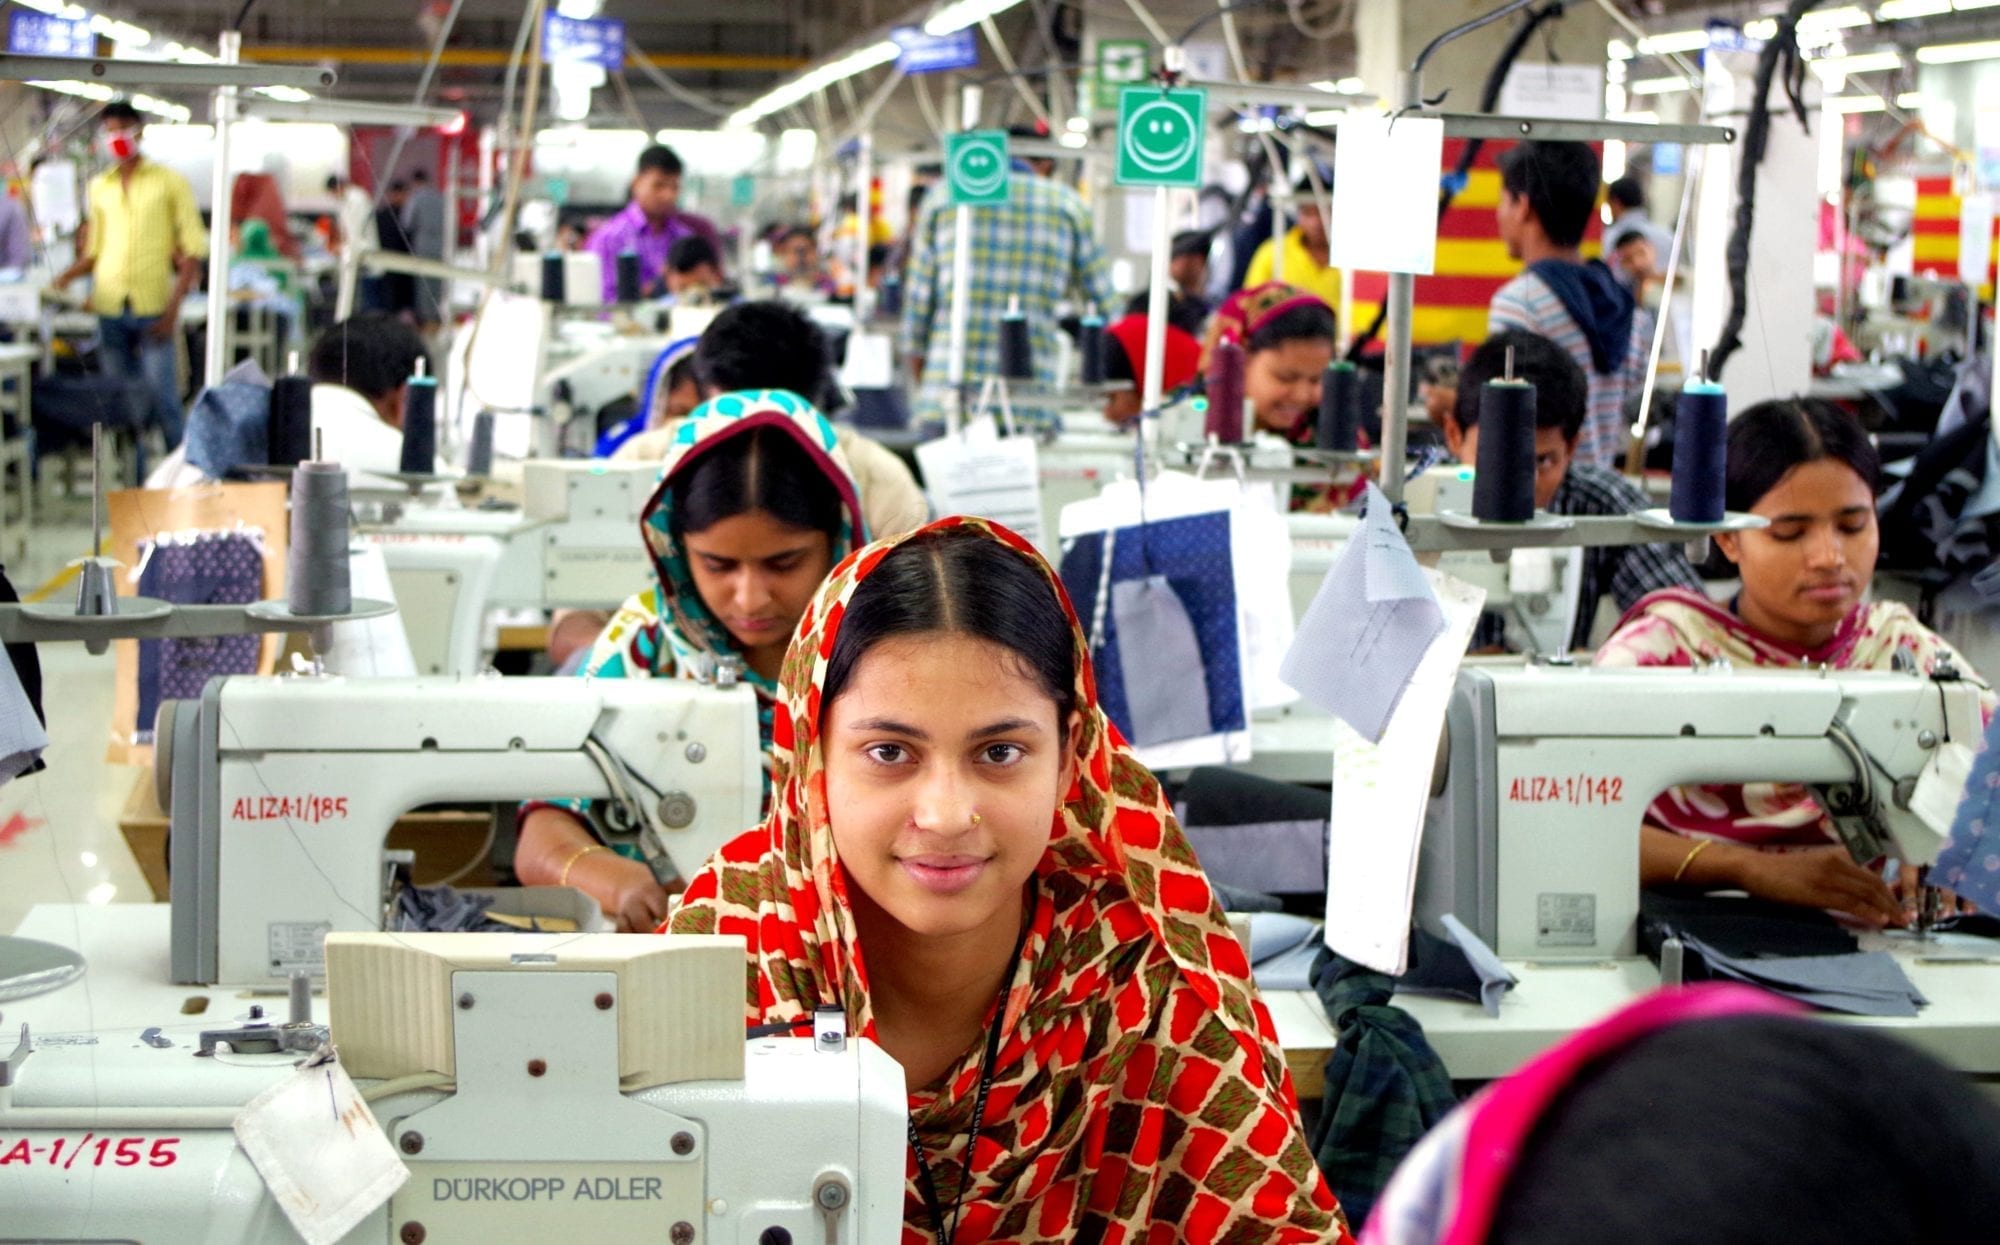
x=1866, y=62
x=42, y=6
x=1897, y=10
x=582, y=9
x=87, y=90
x=962, y=13
x=1323, y=116
x=1910, y=99
x=1347, y=86
x=1077, y=125
x=1844, y=18
x=1673, y=41
x=1855, y=103
x=1071, y=139
x=786, y=94
x=1619, y=50
x=1963, y=5
x=1657, y=86
x=161, y=108
x=124, y=33
x=1956, y=53
x=284, y=94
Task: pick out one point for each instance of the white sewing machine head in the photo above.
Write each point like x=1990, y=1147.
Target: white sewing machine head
x=283, y=790
x=1532, y=833
x=536, y=1087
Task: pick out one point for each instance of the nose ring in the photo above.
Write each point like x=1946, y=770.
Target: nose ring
x=976, y=819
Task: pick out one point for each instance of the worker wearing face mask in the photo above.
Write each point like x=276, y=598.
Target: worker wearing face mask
x=143, y=252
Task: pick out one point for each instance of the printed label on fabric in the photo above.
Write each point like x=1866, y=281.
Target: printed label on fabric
x=1565, y=920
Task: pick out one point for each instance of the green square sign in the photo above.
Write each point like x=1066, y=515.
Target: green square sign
x=1121, y=63
x=1160, y=136
x=975, y=167
x=742, y=192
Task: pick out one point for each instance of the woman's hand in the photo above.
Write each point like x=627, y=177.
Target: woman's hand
x=1910, y=893
x=1821, y=877
x=637, y=901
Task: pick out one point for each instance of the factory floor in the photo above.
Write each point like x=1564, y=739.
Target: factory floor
x=59, y=837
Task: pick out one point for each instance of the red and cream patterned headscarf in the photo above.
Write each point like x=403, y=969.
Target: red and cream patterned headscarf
x=1250, y=309
x=1139, y=1092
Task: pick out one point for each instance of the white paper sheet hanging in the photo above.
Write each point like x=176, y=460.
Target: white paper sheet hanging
x=1379, y=795
x=979, y=473
x=1385, y=188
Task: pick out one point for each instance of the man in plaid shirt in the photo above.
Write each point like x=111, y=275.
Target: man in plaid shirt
x=1562, y=486
x=1039, y=247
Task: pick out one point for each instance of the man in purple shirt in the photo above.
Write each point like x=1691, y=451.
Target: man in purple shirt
x=649, y=225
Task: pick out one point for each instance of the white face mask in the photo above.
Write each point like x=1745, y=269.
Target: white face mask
x=118, y=144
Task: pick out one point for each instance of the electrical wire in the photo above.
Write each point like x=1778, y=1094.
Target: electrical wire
x=692, y=98
x=1339, y=24
x=1014, y=76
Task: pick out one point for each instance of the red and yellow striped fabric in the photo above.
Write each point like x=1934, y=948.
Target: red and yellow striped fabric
x=1472, y=261
x=1936, y=229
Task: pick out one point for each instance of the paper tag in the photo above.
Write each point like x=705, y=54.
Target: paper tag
x=321, y=1153
x=20, y=303
x=870, y=362
x=993, y=478
x=1385, y=193
x=1941, y=786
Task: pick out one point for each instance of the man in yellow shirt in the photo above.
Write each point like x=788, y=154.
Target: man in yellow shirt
x=143, y=251
x=1307, y=262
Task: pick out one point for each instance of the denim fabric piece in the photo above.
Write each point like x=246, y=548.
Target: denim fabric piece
x=1970, y=862
x=218, y=569
x=229, y=424
x=1160, y=659
x=1192, y=552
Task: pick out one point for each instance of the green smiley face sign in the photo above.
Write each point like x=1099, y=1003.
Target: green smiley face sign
x=976, y=166
x=1159, y=137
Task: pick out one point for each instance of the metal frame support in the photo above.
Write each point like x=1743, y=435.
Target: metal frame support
x=161, y=73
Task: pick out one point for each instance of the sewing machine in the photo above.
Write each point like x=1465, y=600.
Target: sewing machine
x=573, y=544
x=1532, y=831
x=535, y=1087
x=282, y=790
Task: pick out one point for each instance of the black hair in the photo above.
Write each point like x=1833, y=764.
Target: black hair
x=371, y=352
x=420, y=177
x=661, y=159
x=1559, y=181
x=681, y=372
x=1753, y=1129
x=1118, y=363
x=1562, y=391
x=1192, y=242
x=796, y=231
x=1189, y=315
x=765, y=344
x=964, y=581
x=1628, y=236
x=1306, y=322
x=878, y=254
x=120, y=110
x=1626, y=192
x=398, y=187
x=763, y=469
x=1769, y=439
x=689, y=253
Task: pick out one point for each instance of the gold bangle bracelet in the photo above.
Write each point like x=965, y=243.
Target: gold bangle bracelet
x=1688, y=859
x=578, y=854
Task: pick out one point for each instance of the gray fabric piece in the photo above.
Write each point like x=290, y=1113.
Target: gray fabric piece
x=1282, y=947
x=1166, y=683
x=1862, y=983
x=1275, y=857
x=22, y=739
x=1494, y=979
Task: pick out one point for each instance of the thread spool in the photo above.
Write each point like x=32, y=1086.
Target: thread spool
x=628, y=277
x=479, y=454
x=1090, y=349
x=1701, y=434
x=1017, y=360
x=316, y=579
x=1224, y=421
x=552, y=277
x=1339, y=408
x=420, y=424
x=1503, y=490
x=289, y=439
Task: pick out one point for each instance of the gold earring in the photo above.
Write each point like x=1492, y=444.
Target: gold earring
x=975, y=819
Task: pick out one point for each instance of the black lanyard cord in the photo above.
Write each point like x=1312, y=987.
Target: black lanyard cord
x=926, y=1184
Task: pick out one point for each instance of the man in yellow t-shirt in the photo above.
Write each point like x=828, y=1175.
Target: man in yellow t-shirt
x=143, y=252
x=1307, y=262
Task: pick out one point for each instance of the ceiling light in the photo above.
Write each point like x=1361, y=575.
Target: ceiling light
x=1619, y=50
x=1897, y=10
x=1673, y=41
x=1072, y=139
x=788, y=93
x=1657, y=86
x=1845, y=18
x=962, y=13
x=289, y=94
x=88, y=90
x=1866, y=62
x=1909, y=99
x=42, y=6
x=1963, y=5
x=581, y=10
x=1955, y=53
